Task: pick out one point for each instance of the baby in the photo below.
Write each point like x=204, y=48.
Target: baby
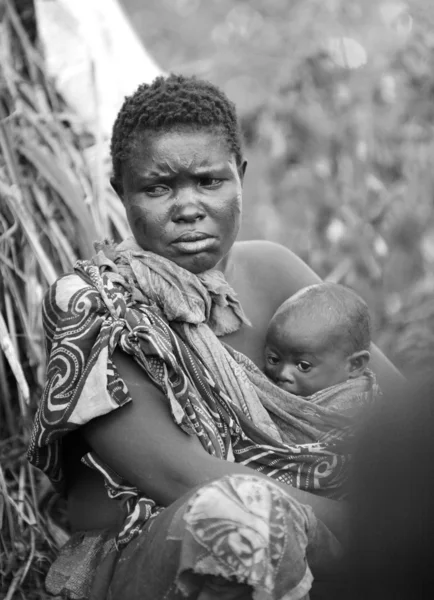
x=318, y=338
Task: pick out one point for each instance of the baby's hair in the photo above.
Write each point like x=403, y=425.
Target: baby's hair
x=346, y=313
x=168, y=103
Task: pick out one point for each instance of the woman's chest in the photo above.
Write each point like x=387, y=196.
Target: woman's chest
x=250, y=339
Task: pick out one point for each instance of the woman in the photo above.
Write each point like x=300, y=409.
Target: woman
x=123, y=388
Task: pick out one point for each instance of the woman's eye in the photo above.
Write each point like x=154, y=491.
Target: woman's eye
x=156, y=190
x=273, y=360
x=210, y=182
x=304, y=366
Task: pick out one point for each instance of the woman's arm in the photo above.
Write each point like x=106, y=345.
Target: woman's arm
x=389, y=378
x=143, y=445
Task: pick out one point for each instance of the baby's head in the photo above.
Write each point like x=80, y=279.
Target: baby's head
x=317, y=338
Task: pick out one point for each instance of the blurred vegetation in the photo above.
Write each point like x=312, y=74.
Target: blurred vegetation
x=336, y=99
x=341, y=158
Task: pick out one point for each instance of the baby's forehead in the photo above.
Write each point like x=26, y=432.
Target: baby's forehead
x=309, y=311
x=300, y=318
x=306, y=332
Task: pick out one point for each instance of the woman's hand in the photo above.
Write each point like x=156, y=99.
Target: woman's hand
x=143, y=445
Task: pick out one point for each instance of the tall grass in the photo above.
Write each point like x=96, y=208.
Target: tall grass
x=52, y=208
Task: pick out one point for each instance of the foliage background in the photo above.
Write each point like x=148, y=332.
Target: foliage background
x=340, y=171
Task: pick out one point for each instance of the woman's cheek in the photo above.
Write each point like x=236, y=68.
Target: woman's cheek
x=229, y=205
x=238, y=203
x=137, y=219
x=145, y=225
x=235, y=209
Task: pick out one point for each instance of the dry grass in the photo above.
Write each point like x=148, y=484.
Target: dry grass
x=52, y=208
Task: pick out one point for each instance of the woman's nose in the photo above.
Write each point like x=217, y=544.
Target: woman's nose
x=188, y=208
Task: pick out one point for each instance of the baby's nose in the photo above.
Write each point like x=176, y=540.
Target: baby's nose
x=286, y=374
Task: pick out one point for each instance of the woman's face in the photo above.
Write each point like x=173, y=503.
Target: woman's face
x=182, y=195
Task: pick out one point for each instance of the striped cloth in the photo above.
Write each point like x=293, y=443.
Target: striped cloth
x=169, y=320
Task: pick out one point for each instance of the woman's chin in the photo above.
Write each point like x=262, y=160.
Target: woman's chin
x=196, y=263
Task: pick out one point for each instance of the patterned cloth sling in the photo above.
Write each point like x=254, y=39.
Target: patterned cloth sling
x=169, y=320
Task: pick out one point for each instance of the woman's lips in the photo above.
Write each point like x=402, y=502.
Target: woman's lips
x=192, y=242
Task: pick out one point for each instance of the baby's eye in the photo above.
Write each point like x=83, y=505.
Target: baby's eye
x=304, y=366
x=272, y=359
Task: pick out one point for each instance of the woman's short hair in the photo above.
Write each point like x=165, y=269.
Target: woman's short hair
x=170, y=102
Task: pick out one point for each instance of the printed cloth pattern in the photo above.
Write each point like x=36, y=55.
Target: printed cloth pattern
x=166, y=318
x=243, y=529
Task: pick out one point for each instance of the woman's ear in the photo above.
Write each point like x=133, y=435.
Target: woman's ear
x=117, y=186
x=357, y=363
x=242, y=170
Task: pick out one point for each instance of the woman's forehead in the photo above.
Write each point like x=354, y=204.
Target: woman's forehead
x=174, y=151
x=206, y=144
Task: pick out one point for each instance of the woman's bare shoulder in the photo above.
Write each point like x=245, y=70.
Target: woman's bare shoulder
x=273, y=266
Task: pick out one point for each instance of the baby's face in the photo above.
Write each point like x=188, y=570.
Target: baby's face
x=300, y=357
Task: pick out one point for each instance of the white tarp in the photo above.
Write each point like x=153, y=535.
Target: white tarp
x=94, y=56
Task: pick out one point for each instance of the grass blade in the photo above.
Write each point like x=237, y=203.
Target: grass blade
x=11, y=356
